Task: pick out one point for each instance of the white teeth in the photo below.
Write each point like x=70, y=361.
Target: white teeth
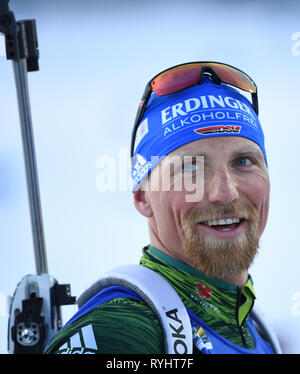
x=227, y=221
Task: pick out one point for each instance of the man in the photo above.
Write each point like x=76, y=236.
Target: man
x=200, y=178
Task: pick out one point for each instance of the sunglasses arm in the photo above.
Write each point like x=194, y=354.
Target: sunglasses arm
x=140, y=113
x=255, y=101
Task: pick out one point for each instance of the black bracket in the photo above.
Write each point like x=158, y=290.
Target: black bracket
x=20, y=37
x=62, y=295
x=29, y=330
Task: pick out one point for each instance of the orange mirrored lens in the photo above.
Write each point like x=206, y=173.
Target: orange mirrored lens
x=176, y=79
x=234, y=77
x=187, y=75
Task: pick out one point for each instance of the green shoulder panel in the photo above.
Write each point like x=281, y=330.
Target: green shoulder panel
x=118, y=327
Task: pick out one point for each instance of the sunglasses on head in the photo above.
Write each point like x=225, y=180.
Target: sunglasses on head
x=182, y=76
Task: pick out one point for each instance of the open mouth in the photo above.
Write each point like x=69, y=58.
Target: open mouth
x=224, y=227
x=224, y=224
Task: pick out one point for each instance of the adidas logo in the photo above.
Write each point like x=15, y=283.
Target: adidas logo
x=83, y=342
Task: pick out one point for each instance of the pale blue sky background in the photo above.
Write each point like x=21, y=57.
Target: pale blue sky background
x=95, y=60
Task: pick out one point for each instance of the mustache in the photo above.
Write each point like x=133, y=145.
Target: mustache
x=216, y=211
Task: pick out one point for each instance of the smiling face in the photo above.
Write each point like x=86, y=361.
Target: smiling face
x=219, y=232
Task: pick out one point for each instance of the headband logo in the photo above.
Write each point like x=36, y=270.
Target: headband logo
x=140, y=168
x=218, y=129
x=141, y=132
x=202, y=103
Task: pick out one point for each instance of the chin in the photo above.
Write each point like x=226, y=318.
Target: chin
x=222, y=258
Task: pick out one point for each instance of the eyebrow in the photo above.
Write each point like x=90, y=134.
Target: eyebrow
x=238, y=152
x=248, y=151
x=192, y=154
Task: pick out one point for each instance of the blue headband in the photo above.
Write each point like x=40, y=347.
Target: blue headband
x=198, y=112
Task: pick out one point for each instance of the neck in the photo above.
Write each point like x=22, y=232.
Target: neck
x=239, y=279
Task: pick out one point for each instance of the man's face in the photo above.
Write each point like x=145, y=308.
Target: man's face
x=219, y=232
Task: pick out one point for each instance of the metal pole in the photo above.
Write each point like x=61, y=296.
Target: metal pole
x=20, y=72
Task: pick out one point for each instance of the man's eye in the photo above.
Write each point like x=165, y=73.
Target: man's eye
x=243, y=161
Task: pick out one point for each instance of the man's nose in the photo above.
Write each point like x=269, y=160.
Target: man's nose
x=222, y=187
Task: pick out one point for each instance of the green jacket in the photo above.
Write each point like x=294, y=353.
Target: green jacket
x=125, y=325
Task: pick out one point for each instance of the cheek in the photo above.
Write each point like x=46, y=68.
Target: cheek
x=183, y=210
x=259, y=195
x=172, y=209
x=164, y=211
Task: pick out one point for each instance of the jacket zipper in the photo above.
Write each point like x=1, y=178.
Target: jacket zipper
x=241, y=327
x=243, y=333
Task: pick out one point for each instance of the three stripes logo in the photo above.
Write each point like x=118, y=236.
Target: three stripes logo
x=82, y=342
x=218, y=129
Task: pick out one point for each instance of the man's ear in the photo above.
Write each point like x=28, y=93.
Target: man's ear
x=142, y=203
